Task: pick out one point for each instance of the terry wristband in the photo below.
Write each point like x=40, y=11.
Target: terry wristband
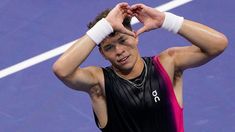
x=99, y=31
x=172, y=22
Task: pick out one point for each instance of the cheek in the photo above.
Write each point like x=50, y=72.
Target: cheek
x=109, y=56
x=133, y=42
x=132, y=45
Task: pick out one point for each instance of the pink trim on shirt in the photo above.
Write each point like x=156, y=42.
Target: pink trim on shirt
x=178, y=111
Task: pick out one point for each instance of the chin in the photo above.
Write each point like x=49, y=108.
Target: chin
x=126, y=67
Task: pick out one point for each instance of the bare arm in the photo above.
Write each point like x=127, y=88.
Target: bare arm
x=67, y=67
x=207, y=43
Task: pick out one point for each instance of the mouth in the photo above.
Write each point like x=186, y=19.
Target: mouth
x=123, y=60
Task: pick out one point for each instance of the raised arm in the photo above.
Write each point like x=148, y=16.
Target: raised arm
x=67, y=67
x=206, y=42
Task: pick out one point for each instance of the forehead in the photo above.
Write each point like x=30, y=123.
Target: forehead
x=113, y=39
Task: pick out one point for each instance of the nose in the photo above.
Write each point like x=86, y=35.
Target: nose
x=119, y=49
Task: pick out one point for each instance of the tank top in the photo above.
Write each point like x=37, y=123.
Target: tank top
x=150, y=108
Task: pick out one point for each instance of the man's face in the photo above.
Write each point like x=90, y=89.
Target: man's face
x=121, y=50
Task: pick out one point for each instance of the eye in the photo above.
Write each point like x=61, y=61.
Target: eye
x=108, y=47
x=122, y=41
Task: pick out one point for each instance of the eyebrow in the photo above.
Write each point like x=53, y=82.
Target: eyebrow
x=121, y=37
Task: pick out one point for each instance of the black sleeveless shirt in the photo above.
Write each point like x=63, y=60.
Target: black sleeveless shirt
x=150, y=108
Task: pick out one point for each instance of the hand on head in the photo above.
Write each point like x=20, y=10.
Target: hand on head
x=117, y=15
x=149, y=17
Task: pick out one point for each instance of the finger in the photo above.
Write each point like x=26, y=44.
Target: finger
x=129, y=11
x=137, y=11
x=123, y=5
x=125, y=14
x=139, y=17
x=126, y=31
x=136, y=14
x=125, y=9
x=137, y=6
x=128, y=14
x=141, y=30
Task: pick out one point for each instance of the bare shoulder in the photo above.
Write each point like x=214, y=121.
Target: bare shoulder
x=95, y=72
x=172, y=59
x=98, y=73
x=166, y=59
x=181, y=56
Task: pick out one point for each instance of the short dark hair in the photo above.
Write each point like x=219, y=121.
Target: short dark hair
x=126, y=22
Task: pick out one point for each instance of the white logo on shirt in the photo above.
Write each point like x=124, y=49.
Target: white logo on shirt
x=155, y=95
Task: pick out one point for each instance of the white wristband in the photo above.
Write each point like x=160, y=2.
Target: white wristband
x=99, y=31
x=172, y=22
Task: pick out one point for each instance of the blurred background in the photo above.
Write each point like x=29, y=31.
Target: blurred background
x=32, y=99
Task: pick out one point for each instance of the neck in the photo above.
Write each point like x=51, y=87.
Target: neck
x=133, y=72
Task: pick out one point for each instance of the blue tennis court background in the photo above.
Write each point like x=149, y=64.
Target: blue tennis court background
x=34, y=100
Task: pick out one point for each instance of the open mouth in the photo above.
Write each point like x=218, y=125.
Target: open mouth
x=123, y=60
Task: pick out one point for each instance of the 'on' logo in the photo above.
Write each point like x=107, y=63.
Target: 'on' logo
x=155, y=95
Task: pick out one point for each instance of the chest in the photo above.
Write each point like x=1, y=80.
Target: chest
x=147, y=96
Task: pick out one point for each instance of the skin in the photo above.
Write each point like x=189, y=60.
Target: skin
x=207, y=43
x=121, y=50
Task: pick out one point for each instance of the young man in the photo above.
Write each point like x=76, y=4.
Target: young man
x=137, y=94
